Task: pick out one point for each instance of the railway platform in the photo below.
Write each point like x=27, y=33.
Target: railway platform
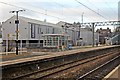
x=37, y=65
x=114, y=74
x=22, y=58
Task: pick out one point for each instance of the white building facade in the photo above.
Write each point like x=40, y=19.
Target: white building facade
x=0, y=29
x=31, y=31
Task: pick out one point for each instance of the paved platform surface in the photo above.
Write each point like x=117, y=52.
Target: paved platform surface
x=14, y=59
x=114, y=74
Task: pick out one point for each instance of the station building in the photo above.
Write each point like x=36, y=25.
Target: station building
x=0, y=30
x=33, y=31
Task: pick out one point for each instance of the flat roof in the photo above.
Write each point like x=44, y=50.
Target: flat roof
x=55, y=35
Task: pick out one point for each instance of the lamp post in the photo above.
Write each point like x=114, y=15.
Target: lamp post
x=17, y=29
x=82, y=18
x=79, y=25
x=93, y=37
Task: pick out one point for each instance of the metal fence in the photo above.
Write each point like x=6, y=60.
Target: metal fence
x=21, y=46
x=33, y=47
x=30, y=47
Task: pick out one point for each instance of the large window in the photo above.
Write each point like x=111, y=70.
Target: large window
x=32, y=26
x=55, y=40
x=53, y=31
x=48, y=31
x=39, y=30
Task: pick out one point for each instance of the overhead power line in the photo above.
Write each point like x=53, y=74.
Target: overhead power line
x=72, y=10
x=110, y=7
x=91, y=9
x=30, y=10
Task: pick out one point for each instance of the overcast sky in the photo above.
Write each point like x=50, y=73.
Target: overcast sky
x=61, y=10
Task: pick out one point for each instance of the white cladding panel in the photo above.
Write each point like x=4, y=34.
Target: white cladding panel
x=33, y=31
x=9, y=28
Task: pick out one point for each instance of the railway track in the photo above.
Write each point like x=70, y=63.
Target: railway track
x=40, y=74
x=99, y=72
x=79, y=70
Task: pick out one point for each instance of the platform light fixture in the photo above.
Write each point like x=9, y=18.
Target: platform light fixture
x=17, y=29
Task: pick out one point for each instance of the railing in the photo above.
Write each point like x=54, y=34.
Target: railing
x=12, y=47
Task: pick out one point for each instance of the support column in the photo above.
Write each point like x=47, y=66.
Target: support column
x=6, y=45
x=46, y=41
x=43, y=41
x=93, y=26
x=58, y=47
x=58, y=41
x=38, y=43
x=21, y=44
x=27, y=43
x=27, y=46
x=52, y=41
